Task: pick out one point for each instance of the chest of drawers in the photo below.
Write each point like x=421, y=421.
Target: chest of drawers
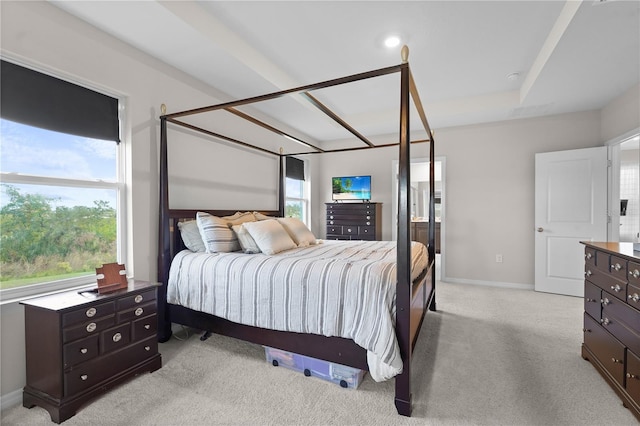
x=79, y=345
x=354, y=221
x=612, y=317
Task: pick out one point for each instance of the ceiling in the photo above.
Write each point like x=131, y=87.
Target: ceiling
x=570, y=56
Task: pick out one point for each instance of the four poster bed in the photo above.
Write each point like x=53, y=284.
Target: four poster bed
x=401, y=274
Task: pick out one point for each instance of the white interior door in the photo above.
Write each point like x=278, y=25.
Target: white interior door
x=570, y=206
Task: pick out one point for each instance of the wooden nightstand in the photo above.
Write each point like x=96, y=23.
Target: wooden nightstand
x=81, y=344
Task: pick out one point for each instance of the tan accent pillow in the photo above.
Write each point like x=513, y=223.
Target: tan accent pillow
x=298, y=231
x=260, y=216
x=270, y=236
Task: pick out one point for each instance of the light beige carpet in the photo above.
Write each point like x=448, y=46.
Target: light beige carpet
x=489, y=356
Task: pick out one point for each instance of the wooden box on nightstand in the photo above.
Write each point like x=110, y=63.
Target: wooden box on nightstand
x=81, y=344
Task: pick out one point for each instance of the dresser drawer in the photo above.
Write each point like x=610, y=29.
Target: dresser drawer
x=618, y=268
x=334, y=230
x=93, y=372
x=607, y=282
x=88, y=313
x=144, y=327
x=632, y=379
x=609, y=351
x=589, y=258
x=592, y=297
x=137, y=312
x=88, y=328
x=115, y=338
x=80, y=351
x=136, y=299
x=634, y=274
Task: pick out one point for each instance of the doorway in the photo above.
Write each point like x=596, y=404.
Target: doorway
x=624, y=190
x=419, y=194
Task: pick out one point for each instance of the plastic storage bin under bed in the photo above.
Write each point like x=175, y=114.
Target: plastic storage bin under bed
x=347, y=377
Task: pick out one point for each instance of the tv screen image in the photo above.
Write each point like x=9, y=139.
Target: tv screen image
x=351, y=188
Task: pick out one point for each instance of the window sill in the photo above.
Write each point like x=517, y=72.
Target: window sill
x=16, y=295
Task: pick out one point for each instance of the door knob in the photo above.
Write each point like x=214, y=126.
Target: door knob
x=540, y=229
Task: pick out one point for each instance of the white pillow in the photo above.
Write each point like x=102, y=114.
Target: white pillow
x=270, y=236
x=298, y=231
x=191, y=236
x=247, y=242
x=216, y=234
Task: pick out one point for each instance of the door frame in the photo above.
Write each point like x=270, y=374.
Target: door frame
x=440, y=272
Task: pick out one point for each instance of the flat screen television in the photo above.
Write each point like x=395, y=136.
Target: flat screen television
x=351, y=188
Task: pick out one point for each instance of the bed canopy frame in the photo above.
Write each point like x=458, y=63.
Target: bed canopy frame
x=412, y=298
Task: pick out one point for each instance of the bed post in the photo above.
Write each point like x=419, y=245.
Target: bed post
x=403, y=288
x=164, y=244
x=432, y=218
x=281, y=184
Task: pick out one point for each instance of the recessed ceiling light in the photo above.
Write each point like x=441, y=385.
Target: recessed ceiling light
x=513, y=76
x=392, y=41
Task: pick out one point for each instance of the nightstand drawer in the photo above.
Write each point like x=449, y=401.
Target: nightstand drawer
x=137, y=312
x=80, y=351
x=145, y=327
x=88, y=328
x=87, y=314
x=115, y=338
x=136, y=299
x=608, y=350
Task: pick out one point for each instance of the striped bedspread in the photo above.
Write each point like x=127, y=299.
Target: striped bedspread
x=338, y=288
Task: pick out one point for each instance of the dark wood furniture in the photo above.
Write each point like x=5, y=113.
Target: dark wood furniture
x=354, y=221
x=413, y=298
x=420, y=233
x=81, y=344
x=612, y=317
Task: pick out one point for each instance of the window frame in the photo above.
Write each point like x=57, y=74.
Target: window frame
x=119, y=185
x=306, y=196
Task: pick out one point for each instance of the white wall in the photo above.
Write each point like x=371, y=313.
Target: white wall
x=489, y=167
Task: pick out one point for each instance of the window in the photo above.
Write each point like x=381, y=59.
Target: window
x=62, y=197
x=297, y=194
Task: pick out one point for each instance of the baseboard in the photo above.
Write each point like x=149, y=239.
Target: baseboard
x=11, y=399
x=518, y=286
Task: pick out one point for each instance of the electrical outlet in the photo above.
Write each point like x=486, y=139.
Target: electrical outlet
x=498, y=258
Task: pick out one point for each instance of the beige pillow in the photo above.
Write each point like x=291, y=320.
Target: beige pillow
x=270, y=236
x=239, y=217
x=298, y=231
x=191, y=236
x=260, y=216
x=247, y=242
x=216, y=233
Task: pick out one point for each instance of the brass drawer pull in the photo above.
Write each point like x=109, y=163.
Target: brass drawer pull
x=91, y=312
x=616, y=288
x=138, y=312
x=635, y=297
x=631, y=376
x=84, y=350
x=84, y=377
x=138, y=298
x=91, y=327
x=117, y=337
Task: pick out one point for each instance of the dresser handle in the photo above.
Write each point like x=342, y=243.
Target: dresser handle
x=91, y=327
x=117, y=337
x=588, y=299
x=616, y=288
x=91, y=312
x=605, y=321
x=635, y=273
x=368, y=217
x=588, y=273
x=330, y=217
x=631, y=376
x=588, y=256
x=605, y=301
x=331, y=222
x=586, y=330
x=617, y=266
x=138, y=312
x=147, y=348
x=147, y=326
x=84, y=350
x=138, y=298
x=84, y=377
x=634, y=298
x=616, y=361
